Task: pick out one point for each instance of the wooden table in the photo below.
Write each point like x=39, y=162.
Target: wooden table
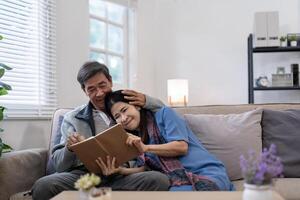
x=237, y=195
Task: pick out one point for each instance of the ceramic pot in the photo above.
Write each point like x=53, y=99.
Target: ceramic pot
x=84, y=194
x=257, y=192
x=293, y=43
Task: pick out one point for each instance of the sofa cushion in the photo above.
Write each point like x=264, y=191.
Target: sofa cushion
x=283, y=129
x=228, y=136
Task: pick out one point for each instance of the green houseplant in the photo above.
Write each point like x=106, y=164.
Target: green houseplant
x=3, y=91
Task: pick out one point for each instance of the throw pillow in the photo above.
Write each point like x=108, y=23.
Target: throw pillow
x=228, y=136
x=283, y=129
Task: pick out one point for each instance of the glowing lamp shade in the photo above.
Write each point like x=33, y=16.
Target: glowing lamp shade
x=178, y=92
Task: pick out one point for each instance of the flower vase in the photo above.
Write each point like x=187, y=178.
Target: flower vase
x=84, y=194
x=257, y=192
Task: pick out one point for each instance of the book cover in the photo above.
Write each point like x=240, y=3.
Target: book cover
x=110, y=142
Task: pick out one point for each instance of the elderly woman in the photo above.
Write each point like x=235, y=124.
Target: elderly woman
x=167, y=145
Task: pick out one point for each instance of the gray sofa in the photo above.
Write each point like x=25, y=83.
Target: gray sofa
x=20, y=169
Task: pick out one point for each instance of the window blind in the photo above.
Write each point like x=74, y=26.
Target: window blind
x=29, y=46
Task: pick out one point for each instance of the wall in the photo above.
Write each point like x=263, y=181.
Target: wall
x=206, y=43
x=72, y=51
x=203, y=41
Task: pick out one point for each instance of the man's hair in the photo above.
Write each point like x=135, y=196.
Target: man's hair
x=90, y=69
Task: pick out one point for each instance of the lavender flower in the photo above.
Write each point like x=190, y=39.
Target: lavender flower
x=260, y=170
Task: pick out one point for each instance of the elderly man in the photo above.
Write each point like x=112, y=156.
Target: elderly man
x=85, y=121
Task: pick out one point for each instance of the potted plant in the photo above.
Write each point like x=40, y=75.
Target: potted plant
x=86, y=183
x=3, y=91
x=293, y=40
x=258, y=173
x=283, y=41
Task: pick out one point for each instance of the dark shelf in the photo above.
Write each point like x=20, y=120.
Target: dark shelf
x=251, y=52
x=276, y=88
x=275, y=49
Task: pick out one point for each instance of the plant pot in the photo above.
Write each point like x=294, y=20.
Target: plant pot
x=257, y=192
x=84, y=194
x=293, y=43
x=283, y=43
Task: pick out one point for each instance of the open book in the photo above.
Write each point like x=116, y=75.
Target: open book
x=110, y=142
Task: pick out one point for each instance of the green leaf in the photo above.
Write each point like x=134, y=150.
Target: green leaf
x=6, y=148
x=1, y=37
x=6, y=86
x=3, y=91
x=5, y=66
x=1, y=115
x=2, y=71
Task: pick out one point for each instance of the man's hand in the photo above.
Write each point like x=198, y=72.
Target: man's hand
x=135, y=98
x=73, y=139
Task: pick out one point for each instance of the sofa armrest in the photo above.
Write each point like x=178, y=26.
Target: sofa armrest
x=20, y=169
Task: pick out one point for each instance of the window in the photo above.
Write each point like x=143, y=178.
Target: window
x=28, y=28
x=109, y=37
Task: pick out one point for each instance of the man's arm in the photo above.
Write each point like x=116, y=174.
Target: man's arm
x=63, y=158
x=142, y=100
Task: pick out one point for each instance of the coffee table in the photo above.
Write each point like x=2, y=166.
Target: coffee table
x=237, y=195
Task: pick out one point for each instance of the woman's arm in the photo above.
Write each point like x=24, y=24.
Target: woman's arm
x=170, y=149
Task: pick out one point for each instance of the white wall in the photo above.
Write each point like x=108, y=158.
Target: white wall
x=206, y=43
x=203, y=41
x=72, y=52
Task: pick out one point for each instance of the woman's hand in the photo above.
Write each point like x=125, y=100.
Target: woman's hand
x=137, y=142
x=109, y=167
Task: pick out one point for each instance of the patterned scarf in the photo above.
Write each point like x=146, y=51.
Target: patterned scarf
x=171, y=166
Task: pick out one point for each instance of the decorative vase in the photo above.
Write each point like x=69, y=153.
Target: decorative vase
x=257, y=192
x=102, y=193
x=293, y=43
x=84, y=194
x=283, y=43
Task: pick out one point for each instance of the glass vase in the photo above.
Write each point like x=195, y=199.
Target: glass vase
x=257, y=192
x=84, y=194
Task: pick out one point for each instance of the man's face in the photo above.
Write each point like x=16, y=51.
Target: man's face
x=96, y=88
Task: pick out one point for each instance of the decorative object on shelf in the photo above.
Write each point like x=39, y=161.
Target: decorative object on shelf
x=258, y=173
x=85, y=183
x=3, y=91
x=283, y=42
x=101, y=193
x=280, y=70
x=262, y=81
x=178, y=92
x=281, y=79
x=266, y=29
x=295, y=73
x=293, y=39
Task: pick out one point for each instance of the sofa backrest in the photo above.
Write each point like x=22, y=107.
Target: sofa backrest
x=228, y=109
x=57, y=119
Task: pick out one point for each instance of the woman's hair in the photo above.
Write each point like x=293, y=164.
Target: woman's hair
x=117, y=96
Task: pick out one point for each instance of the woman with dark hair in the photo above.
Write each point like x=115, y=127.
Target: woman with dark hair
x=167, y=145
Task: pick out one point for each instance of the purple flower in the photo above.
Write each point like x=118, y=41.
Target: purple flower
x=260, y=170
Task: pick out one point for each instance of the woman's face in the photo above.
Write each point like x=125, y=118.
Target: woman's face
x=127, y=115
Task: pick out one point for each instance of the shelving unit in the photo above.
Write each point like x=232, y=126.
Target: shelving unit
x=251, y=51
